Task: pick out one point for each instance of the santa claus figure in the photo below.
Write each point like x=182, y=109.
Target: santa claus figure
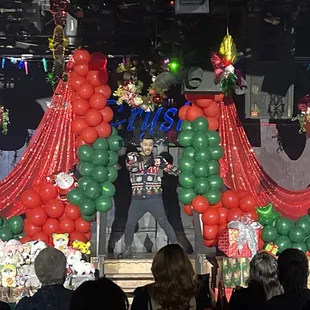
x=65, y=182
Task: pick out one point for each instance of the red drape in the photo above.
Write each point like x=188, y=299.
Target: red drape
x=241, y=169
x=51, y=149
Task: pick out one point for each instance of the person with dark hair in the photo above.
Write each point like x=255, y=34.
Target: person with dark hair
x=99, y=294
x=263, y=284
x=293, y=275
x=145, y=173
x=175, y=286
x=51, y=269
x=122, y=199
x=169, y=184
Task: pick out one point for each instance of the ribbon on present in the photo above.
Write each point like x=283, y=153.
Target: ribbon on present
x=247, y=235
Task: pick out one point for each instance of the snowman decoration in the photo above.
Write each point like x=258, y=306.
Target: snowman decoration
x=65, y=182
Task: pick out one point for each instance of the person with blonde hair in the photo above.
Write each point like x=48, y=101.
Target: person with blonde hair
x=175, y=286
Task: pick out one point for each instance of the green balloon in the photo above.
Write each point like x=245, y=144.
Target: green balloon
x=200, y=140
x=201, y=169
x=304, y=223
x=5, y=234
x=284, y=225
x=87, y=207
x=203, y=154
x=297, y=234
x=267, y=215
x=115, y=143
x=86, y=169
x=283, y=243
x=217, y=152
x=186, y=164
x=89, y=218
x=114, y=131
x=269, y=233
x=101, y=144
x=215, y=182
x=103, y=204
x=93, y=190
x=214, y=138
x=108, y=189
x=187, y=179
x=186, y=125
x=185, y=137
x=83, y=181
x=213, y=196
x=308, y=243
x=299, y=246
x=1, y=221
x=201, y=185
x=16, y=224
x=189, y=152
x=100, y=158
x=186, y=195
x=85, y=153
x=113, y=158
x=19, y=236
x=112, y=174
x=201, y=124
x=100, y=174
x=75, y=196
x=214, y=167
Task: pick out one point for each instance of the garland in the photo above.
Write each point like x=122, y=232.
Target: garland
x=4, y=119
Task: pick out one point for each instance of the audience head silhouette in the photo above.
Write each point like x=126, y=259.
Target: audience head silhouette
x=98, y=294
x=175, y=285
x=293, y=270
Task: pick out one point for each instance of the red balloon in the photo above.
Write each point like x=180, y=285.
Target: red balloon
x=80, y=106
x=98, y=61
x=104, y=90
x=212, y=110
x=25, y=239
x=97, y=78
x=81, y=69
x=242, y=193
x=234, y=214
x=30, y=199
x=75, y=95
x=40, y=236
x=79, y=141
x=89, y=135
x=204, y=103
x=82, y=226
x=222, y=229
x=77, y=236
x=48, y=192
x=86, y=90
x=193, y=112
x=182, y=112
x=211, y=217
x=247, y=203
x=230, y=199
x=210, y=243
x=217, y=205
x=93, y=117
x=37, y=188
x=97, y=101
x=72, y=212
x=66, y=225
x=218, y=98
x=222, y=215
x=188, y=209
x=217, y=116
x=107, y=114
x=104, y=130
x=253, y=215
x=88, y=235
x=78, y=124
x=213, y=123
x=81, y=56
x=210, y=232
x=37, y=216
x=55, y=208
x=51, y=227
x=76, y=81
x=30, y=229
x=200, y=204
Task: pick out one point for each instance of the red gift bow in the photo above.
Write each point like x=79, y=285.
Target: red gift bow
x=219, y=67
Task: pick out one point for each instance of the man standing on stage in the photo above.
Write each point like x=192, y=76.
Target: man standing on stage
x=145, y=173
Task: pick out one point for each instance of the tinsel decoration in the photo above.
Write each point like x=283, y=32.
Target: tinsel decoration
x=228, y=50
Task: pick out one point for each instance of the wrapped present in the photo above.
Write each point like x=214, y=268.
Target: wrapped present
x=240, y=239
x=236, y=271
x=272, y=249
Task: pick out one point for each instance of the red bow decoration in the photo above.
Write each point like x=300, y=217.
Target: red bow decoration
x=219, y=67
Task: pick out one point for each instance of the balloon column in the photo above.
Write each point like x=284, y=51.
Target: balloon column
x=11, y=228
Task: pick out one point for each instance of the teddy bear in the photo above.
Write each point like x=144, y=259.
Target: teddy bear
x=12, y=253
x=61, y=242
x=82, y=247
x=8, y=274
x=77, y=265
x=28, y=275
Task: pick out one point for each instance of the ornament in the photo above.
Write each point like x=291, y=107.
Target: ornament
x=152, y=92
x=158, y=99
x=228, y=50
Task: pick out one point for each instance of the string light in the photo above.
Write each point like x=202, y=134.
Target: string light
x=44, y=64
x=26, y=67
x=21, y=64
x=3, y=63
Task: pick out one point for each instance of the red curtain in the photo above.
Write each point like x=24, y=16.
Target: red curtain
x=241, y=169
x=51, y=149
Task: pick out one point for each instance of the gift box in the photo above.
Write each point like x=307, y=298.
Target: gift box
x=236, y=271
